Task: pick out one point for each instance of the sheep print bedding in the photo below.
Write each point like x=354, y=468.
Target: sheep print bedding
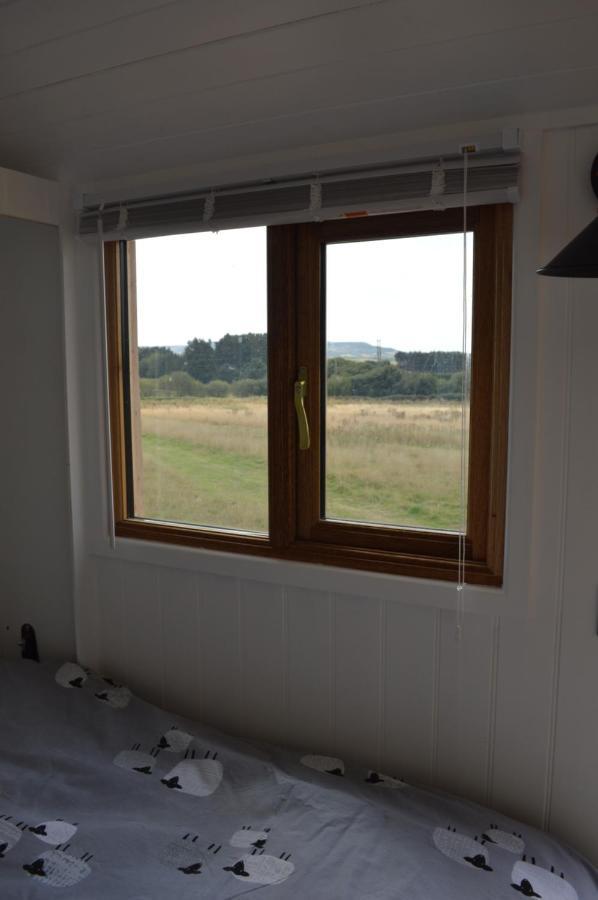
x=105, y=797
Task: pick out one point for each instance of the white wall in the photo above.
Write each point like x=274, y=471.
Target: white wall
x=367, y=666
x=35, y=524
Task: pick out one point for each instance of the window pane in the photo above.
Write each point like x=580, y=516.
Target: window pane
x=393, y=411
x=199, y=380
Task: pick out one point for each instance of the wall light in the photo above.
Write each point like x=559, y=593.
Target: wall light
x=579, y=259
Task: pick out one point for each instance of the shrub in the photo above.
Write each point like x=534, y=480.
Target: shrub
x=217, y=388
x=425, y=386
x=339, y=386
x=178, y=384
x=157, y=361
x=148, y=388
x=249, y=387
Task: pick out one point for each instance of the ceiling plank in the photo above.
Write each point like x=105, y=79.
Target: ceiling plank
x=200, y=40
x=383, y=76
x=260, y=81
x=264, y=55
x=132, y=30
x=515, y=97
x=24, y=23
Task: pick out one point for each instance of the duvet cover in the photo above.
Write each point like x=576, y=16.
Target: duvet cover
x=106, y=797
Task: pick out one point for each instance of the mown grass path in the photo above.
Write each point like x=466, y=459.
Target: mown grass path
x=204, y=462
x=184, y=482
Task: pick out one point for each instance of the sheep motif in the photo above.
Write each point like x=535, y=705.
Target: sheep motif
x=55, y=832
x=186, y=856
x=514, y=843
x=115, y=695
x=198, y=777
x=175, y=741
x=70, y=675
x=10, y=834
x=329, y=765
x=385, y=781
x=461, y=848
x=260, y=868
x=248, y=837
x=135, y=760
x=531, y=880
x=60, y=869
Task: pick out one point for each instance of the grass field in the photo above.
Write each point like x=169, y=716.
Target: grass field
x=204, y=462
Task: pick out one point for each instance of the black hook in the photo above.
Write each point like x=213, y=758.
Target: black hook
x=28, y=643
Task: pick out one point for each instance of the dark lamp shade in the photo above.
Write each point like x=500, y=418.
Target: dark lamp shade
x=579, y=259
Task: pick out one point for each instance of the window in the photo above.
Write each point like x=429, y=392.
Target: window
x=294, y=391
x=391, y=447
x=198, y=406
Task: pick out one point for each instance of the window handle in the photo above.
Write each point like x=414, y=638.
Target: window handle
x=300, y=395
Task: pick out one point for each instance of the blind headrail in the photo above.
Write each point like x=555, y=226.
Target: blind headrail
x=375, y=189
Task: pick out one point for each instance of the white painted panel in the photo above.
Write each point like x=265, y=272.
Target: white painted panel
x=35, y=529
x=478, y=60
x=333, y=123
x=465, y=705
x=357, y=641
x=88, y=650
x=310, y=675
x=223, y=102
x=161, y=31
x=143, y=627
x=526, y=667
x=30, y=22
x=522, y=731
x=263, y=665
x=230, y=36
x=410, y=692
x=9, y=629
x=574, y=807
x=25, y=197
x=111, y=609
x=219, y=653
x=180, y=600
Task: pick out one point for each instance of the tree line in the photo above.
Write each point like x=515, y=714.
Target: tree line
x=237, y=364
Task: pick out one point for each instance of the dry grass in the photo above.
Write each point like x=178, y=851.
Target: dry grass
x=392, y=462
x=227, y=424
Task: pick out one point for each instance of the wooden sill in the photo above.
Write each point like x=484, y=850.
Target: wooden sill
x=318, y=553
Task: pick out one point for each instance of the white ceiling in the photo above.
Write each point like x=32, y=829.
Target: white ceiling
x=95, y=89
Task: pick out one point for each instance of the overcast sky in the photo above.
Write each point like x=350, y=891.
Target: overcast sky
x=406, y=292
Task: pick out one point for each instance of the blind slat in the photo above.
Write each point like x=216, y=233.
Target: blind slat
x=411, y=186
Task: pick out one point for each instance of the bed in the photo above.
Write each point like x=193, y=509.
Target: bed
x=106, y=797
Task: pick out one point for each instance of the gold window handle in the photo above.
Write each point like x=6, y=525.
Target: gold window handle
x=300, y=395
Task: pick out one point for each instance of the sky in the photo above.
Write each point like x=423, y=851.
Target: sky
x=406, y=292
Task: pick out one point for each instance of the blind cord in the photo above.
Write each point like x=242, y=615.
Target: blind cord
x=464, y=395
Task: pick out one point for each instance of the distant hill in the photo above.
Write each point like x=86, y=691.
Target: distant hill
x=357, y=350
x=347, y=349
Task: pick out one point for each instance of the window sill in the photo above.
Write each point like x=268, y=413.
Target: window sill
x=312, y=577
x=411, y=565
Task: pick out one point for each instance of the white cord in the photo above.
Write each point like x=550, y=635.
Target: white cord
x=209, y=207
x=438, y=184
x=123, y=218
x=464, y=394
x=315, y=198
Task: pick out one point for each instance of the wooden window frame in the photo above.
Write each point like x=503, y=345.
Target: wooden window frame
x=297, y=531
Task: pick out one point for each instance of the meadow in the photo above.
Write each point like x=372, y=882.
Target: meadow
x=395, y=462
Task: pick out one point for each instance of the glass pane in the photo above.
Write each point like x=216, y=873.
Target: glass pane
x=393, y=411
x=199, y=379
